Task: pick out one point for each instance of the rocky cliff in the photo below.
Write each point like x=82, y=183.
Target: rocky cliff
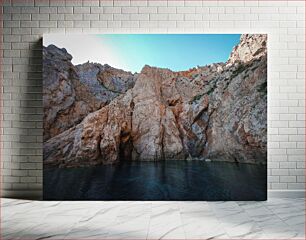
x=217, y=111
x=72, y=92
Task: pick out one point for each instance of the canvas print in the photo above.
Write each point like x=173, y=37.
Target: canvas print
x=155, y=117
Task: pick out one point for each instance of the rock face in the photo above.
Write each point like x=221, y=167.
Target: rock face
x=252, y=46
x=217, y=111
x=72, y=92
x=98, y=139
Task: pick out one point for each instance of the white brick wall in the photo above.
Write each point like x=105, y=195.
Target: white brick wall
x=24, y=22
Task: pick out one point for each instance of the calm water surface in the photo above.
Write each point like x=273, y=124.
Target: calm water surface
x=170, y=180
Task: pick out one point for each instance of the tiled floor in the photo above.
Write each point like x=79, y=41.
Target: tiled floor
x=274, y=219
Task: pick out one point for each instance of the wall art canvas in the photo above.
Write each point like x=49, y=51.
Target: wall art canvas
x=155, y=117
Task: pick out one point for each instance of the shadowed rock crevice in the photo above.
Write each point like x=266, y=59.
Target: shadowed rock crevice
x=218, y=111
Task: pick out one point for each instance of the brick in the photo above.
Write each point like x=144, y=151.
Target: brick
x=29, y=10
x=19, y=173
x=147, y=9
x=28, y=179
x=65, y=24
x=91, y=3
x=279, y=124
x=273, y=165
x=20, y=46
x=176, y=17
x=186, y=9
x=81, y=10
x=217, y=10
x=11, y=9
x=288, y=179
x=138, y=3
x=228, y=17
x=10, y=179
x=74, y=3
x=91, y=16
x=49, y=10
x=59, y=3
x=40, y=17
x=296, y=186
x=287, y=145
x=296, y=158
x=103, y=17
x=287, y=165
x=300, y=164
x=130, y=24
x=273, y=179
x=21, y=16
x=121, y=17
x=57, y=17
x=112, y=10
x=129, y=10
x=22, y=3
x=277, y=186
x=221, y=24
x=296, y=172
x=190, y=17
x=28, y=165
x=160, y=17
x=230, y=3
x=166, y=9
x=96, y=10
x=296, y=151
x=73, y=16
x=40, y=31
x=21, y=31
x=64, y=10
x=287, y=116
x=167, y=24
x=29, y=24
x=202, y=10
x=296, y=124
x=301, y=144
x=41, y=3
x=140, y=17
x=148, y=24
x=277, y=151
x=47, y=24
x=98, y=24
x=300, y=179
x=185, y=24
x=287, y=9
x=114, y=24
x=121, y=3
x=158, y=3
x=297, y=138
x=11, y=24
x=11, y=38
x=288, y=131
x=82, y=24
x=6, y=17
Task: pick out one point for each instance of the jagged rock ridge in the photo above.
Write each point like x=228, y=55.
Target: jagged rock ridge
x=72, y=92
x=218, y=112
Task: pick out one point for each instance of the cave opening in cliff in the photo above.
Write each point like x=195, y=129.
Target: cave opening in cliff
x=125, y=147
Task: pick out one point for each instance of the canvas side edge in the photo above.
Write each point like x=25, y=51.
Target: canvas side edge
x=37, y=194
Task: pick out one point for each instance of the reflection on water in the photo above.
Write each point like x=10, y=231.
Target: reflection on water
x=170, y=180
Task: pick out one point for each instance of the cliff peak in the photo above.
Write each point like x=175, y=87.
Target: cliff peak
x=58, y=53
x=251, y=46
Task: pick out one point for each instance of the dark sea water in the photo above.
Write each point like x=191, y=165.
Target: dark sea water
x=169, y=180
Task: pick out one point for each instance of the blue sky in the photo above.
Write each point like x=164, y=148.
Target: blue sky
x=132, y=51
